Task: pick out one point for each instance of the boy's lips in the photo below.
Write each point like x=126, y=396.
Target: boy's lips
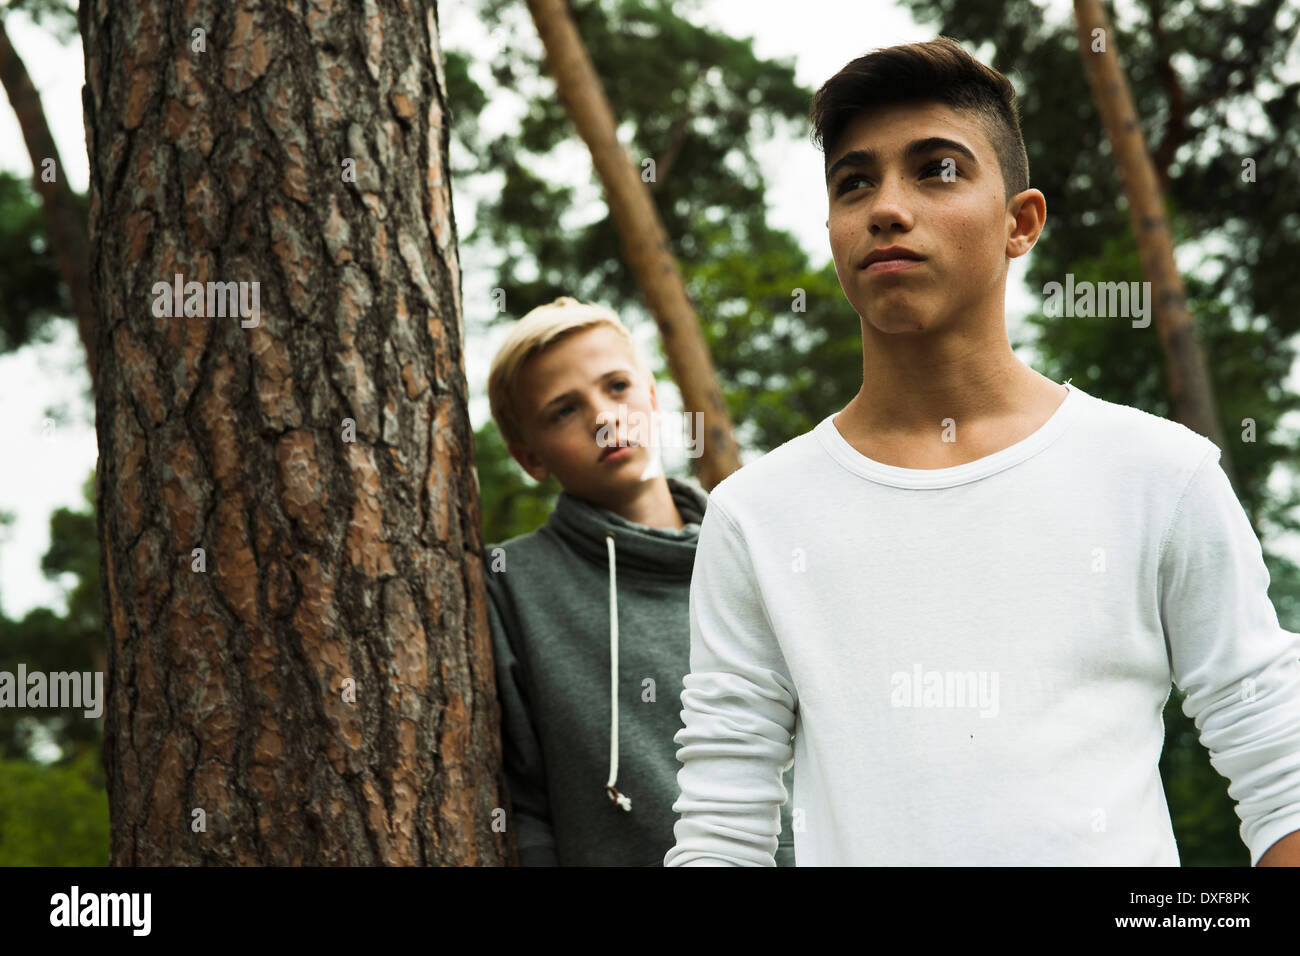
x=892, y=265
x=890, y=252
x=621, y=451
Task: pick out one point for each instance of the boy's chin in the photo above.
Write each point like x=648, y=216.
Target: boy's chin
x=900, y=321
x=612, y=479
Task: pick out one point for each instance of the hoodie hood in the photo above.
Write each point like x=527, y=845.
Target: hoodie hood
x=664, y=553
x=667, y=553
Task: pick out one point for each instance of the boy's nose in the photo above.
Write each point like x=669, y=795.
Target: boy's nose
x=611, y=417
x=887, y=208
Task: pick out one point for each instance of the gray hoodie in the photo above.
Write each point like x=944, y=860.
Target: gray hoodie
x=591, y=765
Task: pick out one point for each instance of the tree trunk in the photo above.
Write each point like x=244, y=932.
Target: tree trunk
x=644, y=240
x=64, y=221
x=317, y=451
x=1190, y=389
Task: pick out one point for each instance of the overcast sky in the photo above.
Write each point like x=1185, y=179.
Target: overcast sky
x=47, y=457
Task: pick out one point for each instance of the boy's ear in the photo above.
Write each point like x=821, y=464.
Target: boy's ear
x=1028, y=211
x=529, y=463
x=654, y=399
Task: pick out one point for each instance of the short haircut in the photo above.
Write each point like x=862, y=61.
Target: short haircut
x=936, y=70
x=535, y=332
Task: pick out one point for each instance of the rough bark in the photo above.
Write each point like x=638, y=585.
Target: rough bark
x=64, y=223
x=326, y=559
x=644, y=240
x=1191, y=392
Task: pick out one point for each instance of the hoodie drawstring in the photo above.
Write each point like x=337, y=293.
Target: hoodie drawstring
x=621, y=799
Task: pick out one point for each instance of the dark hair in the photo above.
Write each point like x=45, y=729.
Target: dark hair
x=939, y=70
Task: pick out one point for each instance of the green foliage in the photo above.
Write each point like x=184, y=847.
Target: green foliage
x=512, y=503
x=31, y=285
x=31, y=289
x=1284, y=589
x=54, y=815
x=465, y=100
x=694, y=100
x=782, y=370
x=74, y=549
x=46, y=641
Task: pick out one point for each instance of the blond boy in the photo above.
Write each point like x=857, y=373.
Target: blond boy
x=590, y=613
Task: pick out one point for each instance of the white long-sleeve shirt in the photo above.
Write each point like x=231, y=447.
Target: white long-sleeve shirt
x=968, y=665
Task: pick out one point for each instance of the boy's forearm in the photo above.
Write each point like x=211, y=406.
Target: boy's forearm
x=1285, y=852
x=738, y=711
x=734, y=742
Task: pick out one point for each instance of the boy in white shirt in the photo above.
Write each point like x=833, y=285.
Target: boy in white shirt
x=957, y=605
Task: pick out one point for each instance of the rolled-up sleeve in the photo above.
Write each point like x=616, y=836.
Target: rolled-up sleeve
x=738, y=712
x=1239, y=668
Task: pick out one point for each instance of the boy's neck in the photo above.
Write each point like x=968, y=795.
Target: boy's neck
x=651, y=505
x=913, y=384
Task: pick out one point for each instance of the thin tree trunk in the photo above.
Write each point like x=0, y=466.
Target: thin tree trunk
x=331, y=563
x=646, y=248
x=1190, y=389
x=64, y=222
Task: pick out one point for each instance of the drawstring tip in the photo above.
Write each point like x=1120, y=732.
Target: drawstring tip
x=621, y=799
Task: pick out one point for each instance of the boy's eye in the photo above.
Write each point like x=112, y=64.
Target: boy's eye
x=844, y=184
x=563, y=410
x=937, y=166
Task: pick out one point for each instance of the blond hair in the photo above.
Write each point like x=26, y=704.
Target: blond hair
x=536, y=331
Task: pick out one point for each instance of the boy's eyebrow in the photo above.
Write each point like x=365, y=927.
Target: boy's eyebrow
x=867, y=157
x=570, y=392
